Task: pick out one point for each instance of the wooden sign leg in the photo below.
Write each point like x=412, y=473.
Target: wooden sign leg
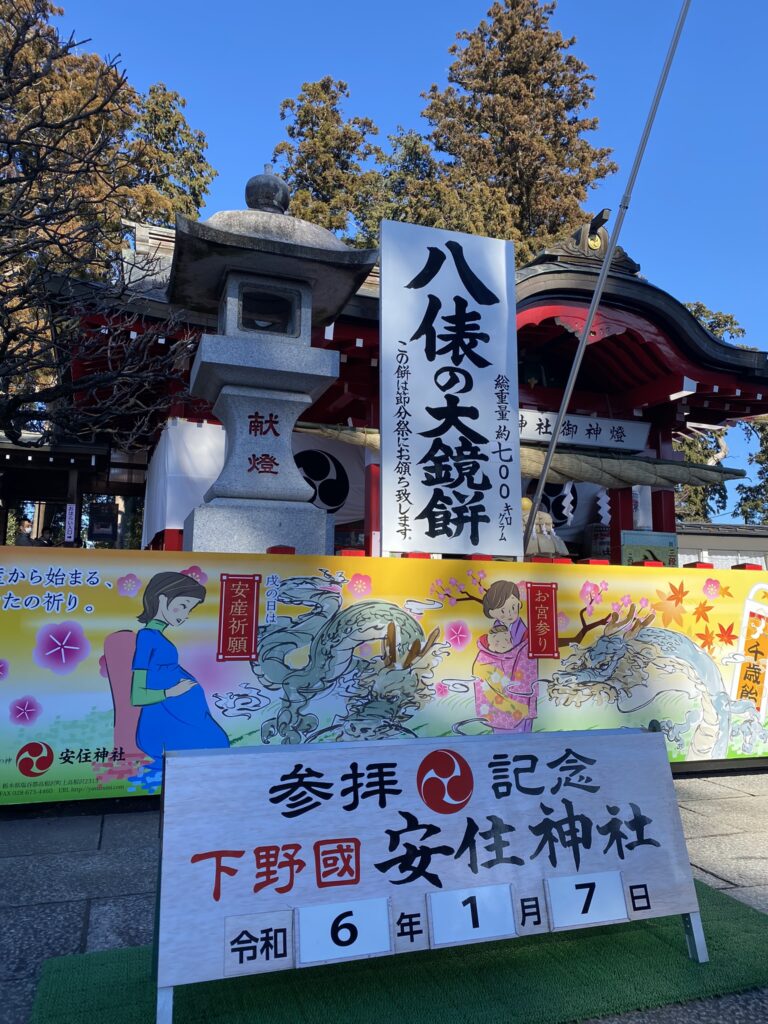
x=694, y=937
x=165, y=1005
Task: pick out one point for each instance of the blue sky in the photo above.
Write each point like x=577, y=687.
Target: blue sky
x=697, y=223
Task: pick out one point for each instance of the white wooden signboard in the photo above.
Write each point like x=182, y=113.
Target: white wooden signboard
x=586, y=431
x=292, y=856
x=450, y=480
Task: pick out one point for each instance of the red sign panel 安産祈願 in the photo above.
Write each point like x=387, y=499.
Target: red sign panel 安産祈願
x=238, y=617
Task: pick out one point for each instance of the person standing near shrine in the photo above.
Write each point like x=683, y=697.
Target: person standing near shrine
x=24, y=534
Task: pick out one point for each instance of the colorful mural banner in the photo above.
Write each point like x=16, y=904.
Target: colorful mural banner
x=107, y=658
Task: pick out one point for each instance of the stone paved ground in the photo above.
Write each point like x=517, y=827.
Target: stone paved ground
x=83, y=880
x=72, y=883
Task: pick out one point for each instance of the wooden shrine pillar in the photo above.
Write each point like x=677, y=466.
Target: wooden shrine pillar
x=622, y=518
x=663, y=510
x=663, y=499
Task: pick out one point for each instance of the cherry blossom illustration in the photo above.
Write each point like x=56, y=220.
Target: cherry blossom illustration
x=441, y=690
x=25, y=710
x=128, y=585
x=61, y=646
x=711, y=587
x=458, y=634
x=196, y=573
x=360, y=585
x=4, y=667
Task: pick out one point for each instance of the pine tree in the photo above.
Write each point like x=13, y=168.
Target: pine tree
x=505, y=154
x=752, y=504
x=414, y=186
x=171, y=174
x=699, y=504
x=695, y=504
x=512, y=118
x=324, y=164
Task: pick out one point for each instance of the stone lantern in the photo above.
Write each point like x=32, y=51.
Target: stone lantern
x=268, y=278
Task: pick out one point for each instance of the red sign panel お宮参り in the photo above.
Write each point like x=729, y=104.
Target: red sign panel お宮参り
x=542, y=620
x=238, y=617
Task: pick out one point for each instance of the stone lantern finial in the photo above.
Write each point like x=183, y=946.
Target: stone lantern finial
x=267, y=192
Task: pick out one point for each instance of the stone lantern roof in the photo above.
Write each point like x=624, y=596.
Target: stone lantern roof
x=264, y=239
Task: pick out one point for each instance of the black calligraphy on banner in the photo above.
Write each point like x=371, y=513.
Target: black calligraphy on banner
x=403, y=497
x=455, y=466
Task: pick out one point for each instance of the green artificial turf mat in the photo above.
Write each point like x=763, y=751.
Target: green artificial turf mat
x=549, y=979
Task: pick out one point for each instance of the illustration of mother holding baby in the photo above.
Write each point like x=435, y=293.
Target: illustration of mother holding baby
x=505, y=678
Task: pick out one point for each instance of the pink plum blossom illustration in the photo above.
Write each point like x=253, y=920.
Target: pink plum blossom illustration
x=592, y=594
x=24, y=710
x=441, y=690
x=128, y=585
x=61, y=646
x=563, y=620
x=711, y=587
x=458, y=634
x=360, y=585
x=3, y=668
x=453, y=590
x=196, y=573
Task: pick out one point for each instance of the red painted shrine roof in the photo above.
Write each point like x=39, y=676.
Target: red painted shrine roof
x=648, y=357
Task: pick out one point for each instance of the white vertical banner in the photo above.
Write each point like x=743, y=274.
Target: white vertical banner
x=450, y=465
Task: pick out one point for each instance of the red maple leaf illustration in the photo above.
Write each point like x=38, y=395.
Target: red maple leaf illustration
x=677, y=594
x=707, y=639
x=701, y=611
x=725, y=635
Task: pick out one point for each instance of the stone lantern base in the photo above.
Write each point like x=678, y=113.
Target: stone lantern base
x=250, y=526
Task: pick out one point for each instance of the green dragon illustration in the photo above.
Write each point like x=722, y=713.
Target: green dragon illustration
x=306, y=656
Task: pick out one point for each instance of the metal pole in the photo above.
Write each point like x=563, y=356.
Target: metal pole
x=604, y=271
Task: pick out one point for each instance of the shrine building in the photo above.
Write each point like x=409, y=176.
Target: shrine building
x=651, y=373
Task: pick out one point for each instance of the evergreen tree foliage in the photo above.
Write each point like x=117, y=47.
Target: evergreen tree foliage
x=324, y=161
x=414, y=186
x=699, y=504
x=723, y=325
x=505, y=154
x=513, y=117
x=168, y=158
x=752, y=504
x=695, y=504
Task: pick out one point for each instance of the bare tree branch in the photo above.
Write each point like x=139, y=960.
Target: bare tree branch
x=76, y=360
